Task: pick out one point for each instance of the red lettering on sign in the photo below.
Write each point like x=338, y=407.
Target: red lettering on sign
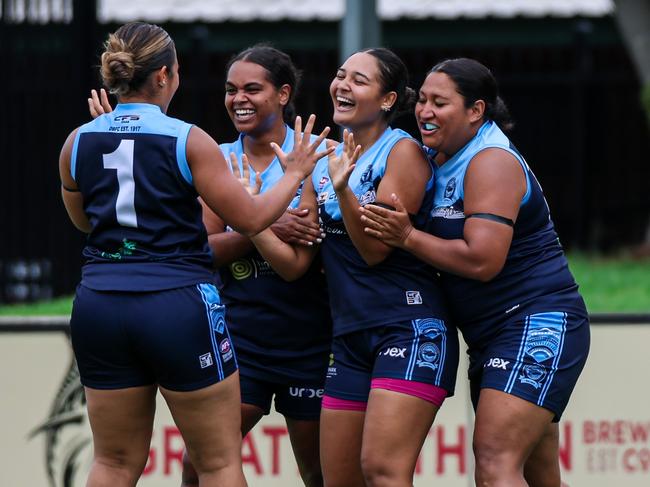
x=172, y=455
x=566, y=447
x=275, y=432
x=457, y=449
x=151, y=462
x=251, y=457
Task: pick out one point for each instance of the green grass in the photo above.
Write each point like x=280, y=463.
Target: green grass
x=59, y=306
x=613, y=285
x=609, y=285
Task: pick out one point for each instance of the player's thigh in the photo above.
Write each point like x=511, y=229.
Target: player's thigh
x=340, y=447
x=122, y=422
x=209, y=420
x=507, y=427
x=395, y=428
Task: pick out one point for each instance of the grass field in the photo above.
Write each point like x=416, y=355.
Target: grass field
x=608, y=285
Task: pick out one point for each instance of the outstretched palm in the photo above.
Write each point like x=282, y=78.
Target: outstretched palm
x=340, y=167
x=243, y=176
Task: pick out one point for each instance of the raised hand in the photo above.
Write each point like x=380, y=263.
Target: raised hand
x=303, y=157
x=340, y=167
x=98, y=105
x=392, y=227
x=244, y=176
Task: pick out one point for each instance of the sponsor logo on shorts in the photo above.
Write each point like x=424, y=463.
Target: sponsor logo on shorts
x=533, y=375
x=331, y=369
x=428, y=356
x=305, y=392
x=205, y=360
x=394, y=352
x=413, y=297
x=497, y=363
x=431, y=328
x=542, y=344
x=226, y=349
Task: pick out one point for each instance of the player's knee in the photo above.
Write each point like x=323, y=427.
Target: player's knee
x=377, y=472
x=493, y=459
x=121, y=464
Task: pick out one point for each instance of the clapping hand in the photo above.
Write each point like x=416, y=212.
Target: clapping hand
x=390, y=226
x=243, y=176
x=341, y=167
x=303, y=157
x=98, y=105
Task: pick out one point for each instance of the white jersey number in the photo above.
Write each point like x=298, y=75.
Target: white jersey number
x=122, y=160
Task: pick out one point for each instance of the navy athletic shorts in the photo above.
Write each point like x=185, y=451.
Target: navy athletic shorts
x=295, y=401
x=420, y=350
x=176, y=338
x=536, y=357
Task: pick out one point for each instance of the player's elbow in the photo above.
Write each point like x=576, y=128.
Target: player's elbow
x=486, y=271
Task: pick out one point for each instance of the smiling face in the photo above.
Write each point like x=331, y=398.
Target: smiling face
x=357, y=92
x=253, y=103
x=444, y=122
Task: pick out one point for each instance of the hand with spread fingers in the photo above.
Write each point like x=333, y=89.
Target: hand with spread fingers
x=392, y=227
x=341, y=167
x=295, y=226
x=243, y=176
x=98, y=104
x=303, y=157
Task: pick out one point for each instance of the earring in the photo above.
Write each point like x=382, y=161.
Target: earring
x=386, y=108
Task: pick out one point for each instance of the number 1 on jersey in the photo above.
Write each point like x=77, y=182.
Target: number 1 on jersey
x=122, y=160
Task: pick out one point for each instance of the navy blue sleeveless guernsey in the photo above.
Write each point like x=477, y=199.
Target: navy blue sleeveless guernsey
x=147, y=233
x=280, y=323
x=398, y=289
x=535, y=276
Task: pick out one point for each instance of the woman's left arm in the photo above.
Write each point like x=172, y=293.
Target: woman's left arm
x=407, y=173
x=72, y=198
x=494, y=185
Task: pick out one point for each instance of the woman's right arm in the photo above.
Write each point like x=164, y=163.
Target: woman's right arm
x=225, y=196
x=226, y=246
x=289, y=261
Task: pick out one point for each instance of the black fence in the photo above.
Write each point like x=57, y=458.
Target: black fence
x=574, y=98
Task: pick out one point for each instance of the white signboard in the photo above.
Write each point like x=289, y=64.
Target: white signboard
x=46, y=439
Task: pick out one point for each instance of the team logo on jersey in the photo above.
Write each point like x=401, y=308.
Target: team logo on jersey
x=533, y=375
x=428, y=356
x=205, y=360
x=367, y=197
x=322, y=197
x=450, y=189
x=431, y=328
x=241, y=269
x=413, y=297
x=447, y=212
x=126, y=118
x=323, y=181
x=226, y=349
